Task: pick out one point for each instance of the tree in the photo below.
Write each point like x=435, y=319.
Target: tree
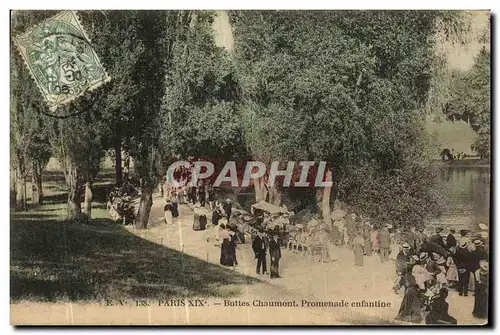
x=156, y=31
x=470, y=100
x=199, y=106
x=77, y=143
x=322, y=86
x=30, y=149
x=120, y=60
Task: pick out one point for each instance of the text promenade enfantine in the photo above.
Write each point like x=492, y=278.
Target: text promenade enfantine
x=251, y=303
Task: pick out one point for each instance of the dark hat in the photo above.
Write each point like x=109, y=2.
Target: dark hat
x=463, y=232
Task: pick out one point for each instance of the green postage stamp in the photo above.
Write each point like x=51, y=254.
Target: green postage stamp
x=61, y=59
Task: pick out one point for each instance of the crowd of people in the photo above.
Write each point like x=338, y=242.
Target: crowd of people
x=427, y=264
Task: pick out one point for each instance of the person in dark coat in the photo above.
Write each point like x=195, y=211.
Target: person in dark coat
x=481, y=291
x=437, y=238
x=451, y=241
x=463, y=260
x=175, y=209
x=438, y=314
x=404, y=262
x=211, y=196
x=411, y=306
x=384, y=243
x=201, y=194
x=228, y=208
x=216, y=216
x=227, y=256
x=477, y=255
x=358, y=243
x=192, y=194
x=351, y=229
x=275, y=253
x=259, y=248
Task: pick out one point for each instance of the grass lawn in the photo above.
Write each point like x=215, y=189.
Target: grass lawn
x=52, y=260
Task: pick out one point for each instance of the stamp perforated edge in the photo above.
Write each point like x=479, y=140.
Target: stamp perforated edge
x=91, y=88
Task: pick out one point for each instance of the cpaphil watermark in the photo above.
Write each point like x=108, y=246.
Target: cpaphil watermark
x=303, y=174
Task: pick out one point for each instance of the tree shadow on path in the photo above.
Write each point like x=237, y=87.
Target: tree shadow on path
x=52, y=260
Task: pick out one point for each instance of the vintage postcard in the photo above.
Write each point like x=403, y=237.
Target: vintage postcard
x=278, y=167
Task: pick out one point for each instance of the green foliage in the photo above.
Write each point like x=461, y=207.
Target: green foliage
x=105, y=29
x=148, y=74
x=199, y=104
x=28, y=127
x=470, y=100
x=348, y=87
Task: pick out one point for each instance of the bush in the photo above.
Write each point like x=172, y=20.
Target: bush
x=402, y=197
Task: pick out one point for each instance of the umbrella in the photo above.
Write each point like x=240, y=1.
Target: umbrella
x=337, y=214
x=432, y=247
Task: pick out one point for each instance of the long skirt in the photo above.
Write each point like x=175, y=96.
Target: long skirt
x=358, y=255
x=444, y=319
x=227, y=253
x=168, y=217
x=472, y=282
x=411, y=305
x=368, y=247
x=480, y=302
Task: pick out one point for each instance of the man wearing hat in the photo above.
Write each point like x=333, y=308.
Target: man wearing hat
x=275, y=253
x=404, y=263
x=259, y=248
x=463, y=260
x=228, y=207
x=437, y=238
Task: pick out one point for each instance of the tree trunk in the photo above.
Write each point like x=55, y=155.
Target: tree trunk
x=73, y=184
x=118, y=162
x=325, y=202
x=257, y=189
x=12, y=188
x=261, y=192
x=87, y=204
x=21, y=187
x=36, y=184
x=142, y=217
x=126, y=171
x=275, y=196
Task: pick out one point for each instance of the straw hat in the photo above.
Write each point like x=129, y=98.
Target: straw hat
x=423, y=256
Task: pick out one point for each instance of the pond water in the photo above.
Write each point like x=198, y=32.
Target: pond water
x=467, y=191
